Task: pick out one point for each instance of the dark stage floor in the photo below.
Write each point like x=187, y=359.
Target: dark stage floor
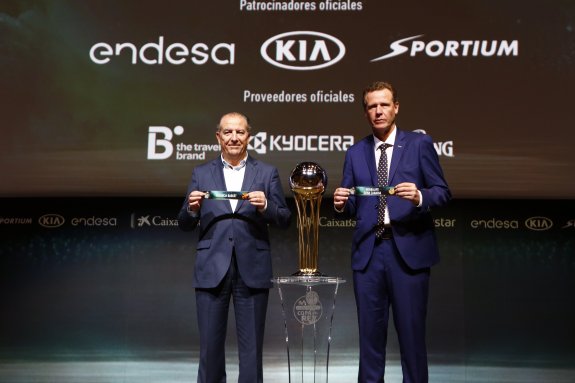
x=182, y=367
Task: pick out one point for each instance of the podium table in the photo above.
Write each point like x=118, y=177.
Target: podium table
x=308, y=306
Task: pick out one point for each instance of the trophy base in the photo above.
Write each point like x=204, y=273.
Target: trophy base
x=308, y=306
x=307, y=274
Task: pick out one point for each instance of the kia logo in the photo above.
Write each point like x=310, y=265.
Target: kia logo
x=539, y=223
x=302, y=50
x=51, y=220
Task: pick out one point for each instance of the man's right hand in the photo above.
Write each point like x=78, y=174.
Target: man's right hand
x=340, y=197
x=195, y=200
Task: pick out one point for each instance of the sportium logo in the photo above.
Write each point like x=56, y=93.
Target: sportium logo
x=451, y=48
x=302, y=50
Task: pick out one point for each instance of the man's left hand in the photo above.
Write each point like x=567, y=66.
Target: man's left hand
x=408, y=191
x=258, y=199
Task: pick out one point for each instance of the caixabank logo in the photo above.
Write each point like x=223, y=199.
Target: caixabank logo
x=138, y=221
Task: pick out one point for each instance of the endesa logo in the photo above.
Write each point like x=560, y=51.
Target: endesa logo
x=302, y=50
x=451, y=48
x=160, y=52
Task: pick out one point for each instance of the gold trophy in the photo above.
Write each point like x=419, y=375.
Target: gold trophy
x=308, y=181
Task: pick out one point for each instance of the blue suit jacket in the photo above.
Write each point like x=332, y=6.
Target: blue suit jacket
x=244, y=229
x=415, y=160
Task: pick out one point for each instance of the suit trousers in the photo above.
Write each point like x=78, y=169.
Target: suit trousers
x=388, y=282
x=250, y=308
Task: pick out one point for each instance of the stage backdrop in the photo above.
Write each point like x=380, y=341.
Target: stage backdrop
x=123, y=98
x=106, y=107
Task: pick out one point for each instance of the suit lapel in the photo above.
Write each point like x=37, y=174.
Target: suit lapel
x=370, y=159
x=219, y=180
x=249, y=178
x=398, y=150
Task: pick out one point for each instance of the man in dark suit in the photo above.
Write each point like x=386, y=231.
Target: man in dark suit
x=394, y=243
x=233, y=251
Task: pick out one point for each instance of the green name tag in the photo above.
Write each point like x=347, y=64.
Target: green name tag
x=366, y=191
x=218, y=194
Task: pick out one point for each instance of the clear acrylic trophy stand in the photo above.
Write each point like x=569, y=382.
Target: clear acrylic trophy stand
x=308, y=305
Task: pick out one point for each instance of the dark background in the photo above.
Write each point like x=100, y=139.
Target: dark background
x=73, y=127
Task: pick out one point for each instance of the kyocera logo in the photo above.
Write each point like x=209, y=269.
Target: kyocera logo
x=51, y=221
x=258, y=143
x=302, y=50
x=539, y=223
x=261, y=143
x=451, y=48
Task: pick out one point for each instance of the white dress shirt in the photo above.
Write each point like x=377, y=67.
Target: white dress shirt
x=389, y=151
x=234, y=176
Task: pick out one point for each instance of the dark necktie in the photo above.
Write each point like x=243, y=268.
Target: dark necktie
x=381, y=181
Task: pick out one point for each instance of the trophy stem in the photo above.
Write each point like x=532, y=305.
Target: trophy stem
x=308, y=201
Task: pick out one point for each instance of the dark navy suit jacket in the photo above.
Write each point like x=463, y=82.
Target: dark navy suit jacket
x=244, y=229
x=415, y=160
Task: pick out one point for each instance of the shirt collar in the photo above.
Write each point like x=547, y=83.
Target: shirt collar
x=390, y=139
x=239, y=167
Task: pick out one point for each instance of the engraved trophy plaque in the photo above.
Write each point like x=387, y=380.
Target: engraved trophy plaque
x=308, y=296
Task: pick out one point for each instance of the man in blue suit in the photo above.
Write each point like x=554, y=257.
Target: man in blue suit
x=233, y=251
x=394, y=243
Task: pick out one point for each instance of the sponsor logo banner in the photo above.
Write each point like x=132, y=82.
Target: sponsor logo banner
x=302, y=50
x=538, y=223
x=16, y=221
x=414, y=46
x=148, y=220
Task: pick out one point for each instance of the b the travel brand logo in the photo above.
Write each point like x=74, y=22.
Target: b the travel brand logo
x=51, y=220
x=451, y=48
x=302, y=50
x=160, y=146
x=263, y=142
x=538, y=223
